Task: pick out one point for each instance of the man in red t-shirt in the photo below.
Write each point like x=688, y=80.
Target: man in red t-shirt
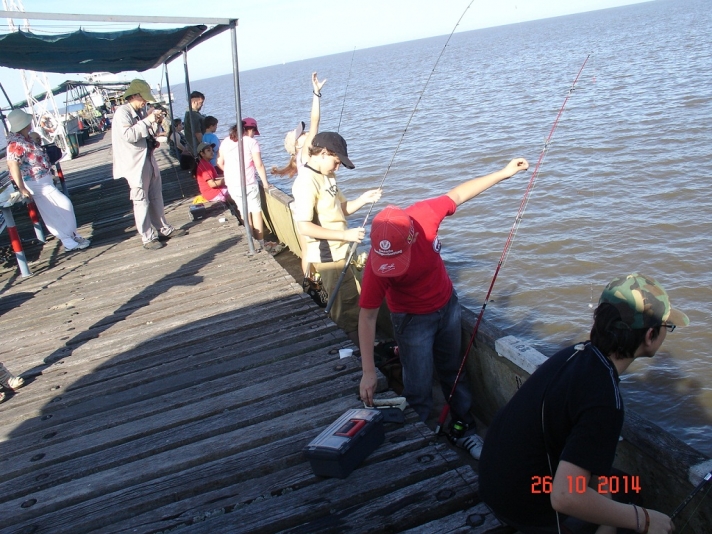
x=405, y=267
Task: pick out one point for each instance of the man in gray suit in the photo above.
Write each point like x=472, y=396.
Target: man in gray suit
x=133, y=139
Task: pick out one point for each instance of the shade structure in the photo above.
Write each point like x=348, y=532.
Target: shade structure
x=84, y=52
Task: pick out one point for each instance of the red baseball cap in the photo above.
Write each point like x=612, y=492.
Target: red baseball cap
x=249, y=122
x=392, y=234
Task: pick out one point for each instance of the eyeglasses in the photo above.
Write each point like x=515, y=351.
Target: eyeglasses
x=670, y=327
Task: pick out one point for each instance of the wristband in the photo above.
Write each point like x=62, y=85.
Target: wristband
x=637, y=523
x=647, y=521
x=318, y=95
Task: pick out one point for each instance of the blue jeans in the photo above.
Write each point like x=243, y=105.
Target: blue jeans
x=427, y=341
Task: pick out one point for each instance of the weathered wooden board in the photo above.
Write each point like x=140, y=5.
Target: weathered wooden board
x=176, y=389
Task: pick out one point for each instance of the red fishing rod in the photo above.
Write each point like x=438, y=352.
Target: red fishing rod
x=505, y=252
x=354, y=245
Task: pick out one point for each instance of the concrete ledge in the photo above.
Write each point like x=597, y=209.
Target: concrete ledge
x=519, y=353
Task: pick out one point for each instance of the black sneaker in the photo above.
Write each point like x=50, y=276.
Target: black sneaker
x=177, y=232
x=153, y=245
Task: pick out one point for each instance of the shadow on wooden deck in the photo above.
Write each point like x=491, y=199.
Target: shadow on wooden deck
x=175, y=390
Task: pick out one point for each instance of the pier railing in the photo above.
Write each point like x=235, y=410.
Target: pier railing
x=498, y=365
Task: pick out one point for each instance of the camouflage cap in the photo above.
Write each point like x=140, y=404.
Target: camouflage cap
x=642, y=302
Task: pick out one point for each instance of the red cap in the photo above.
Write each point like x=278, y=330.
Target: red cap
x=249, y=122
x=392, y=234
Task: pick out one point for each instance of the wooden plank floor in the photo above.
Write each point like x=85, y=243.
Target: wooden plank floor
x=174, y=390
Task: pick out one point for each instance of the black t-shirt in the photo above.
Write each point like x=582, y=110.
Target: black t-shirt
x=583, y=417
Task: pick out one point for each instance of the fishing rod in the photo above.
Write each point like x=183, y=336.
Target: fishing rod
x=505, y=252
x=354, y=245
x=346, y=90
x=694, y=492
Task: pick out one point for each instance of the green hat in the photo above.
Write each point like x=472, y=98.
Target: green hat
x=642, y=302
x=139, y=87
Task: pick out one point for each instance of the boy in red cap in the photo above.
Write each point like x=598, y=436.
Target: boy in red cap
x=405, y=267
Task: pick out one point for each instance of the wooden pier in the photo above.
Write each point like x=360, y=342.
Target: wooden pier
x=174, y=390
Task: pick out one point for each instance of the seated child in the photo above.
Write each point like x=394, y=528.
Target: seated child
x=212, y=187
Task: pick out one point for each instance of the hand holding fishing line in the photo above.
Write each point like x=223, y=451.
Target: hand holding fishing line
x=354, y=235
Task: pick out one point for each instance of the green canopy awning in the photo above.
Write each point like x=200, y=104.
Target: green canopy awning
x=85, y=52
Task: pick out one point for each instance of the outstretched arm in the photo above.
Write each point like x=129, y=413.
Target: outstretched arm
x=315, y=115
x=470, y=189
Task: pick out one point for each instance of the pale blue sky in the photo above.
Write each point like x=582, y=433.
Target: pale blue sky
x=278, y=31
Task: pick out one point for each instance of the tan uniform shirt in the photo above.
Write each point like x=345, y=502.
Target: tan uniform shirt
x=317, y=199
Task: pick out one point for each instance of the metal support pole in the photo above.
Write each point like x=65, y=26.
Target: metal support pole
x=240, y=149
x=2, y=117
x=191, y=141
x=16, y=243
x=170, y=101
x=60, y=175
x=35, y=218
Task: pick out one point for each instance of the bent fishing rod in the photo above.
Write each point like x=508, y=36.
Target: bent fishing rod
x=343, y=103
x=354, y=244
x=687, y=500
x=507, y=245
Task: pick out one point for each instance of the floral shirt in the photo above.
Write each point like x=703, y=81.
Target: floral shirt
x=33, y=160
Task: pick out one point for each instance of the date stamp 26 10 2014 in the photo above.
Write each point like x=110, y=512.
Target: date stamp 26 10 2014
x=612, y=484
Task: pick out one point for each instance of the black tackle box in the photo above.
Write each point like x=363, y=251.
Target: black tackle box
x=340, y=448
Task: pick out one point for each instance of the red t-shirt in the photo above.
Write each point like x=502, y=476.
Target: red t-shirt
x=426, y=286
x=206, y=172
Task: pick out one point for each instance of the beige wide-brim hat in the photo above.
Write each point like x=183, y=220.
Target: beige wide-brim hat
x=19, y=120
x=139, y=87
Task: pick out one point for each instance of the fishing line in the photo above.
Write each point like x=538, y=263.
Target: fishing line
x=687, y=500
x=354, y=245
x=346, y=90
x=505, y=252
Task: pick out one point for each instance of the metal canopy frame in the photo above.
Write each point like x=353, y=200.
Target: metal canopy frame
x=220, y=25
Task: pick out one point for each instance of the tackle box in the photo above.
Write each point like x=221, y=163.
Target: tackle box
x=198, y=211
x=346, y=443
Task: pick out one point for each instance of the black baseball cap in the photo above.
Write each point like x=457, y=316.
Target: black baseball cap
x=334, y=143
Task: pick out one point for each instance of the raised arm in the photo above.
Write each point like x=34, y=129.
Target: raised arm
x=315, y=115
x=470, y=189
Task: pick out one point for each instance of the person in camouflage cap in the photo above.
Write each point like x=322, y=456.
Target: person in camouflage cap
x=562, y=426
x=642, y=302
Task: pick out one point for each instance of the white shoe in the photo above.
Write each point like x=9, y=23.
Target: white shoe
x=8, y=380
x=472, y=444
x=81, y=242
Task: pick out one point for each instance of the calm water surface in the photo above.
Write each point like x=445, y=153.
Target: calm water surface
x=624, y=186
